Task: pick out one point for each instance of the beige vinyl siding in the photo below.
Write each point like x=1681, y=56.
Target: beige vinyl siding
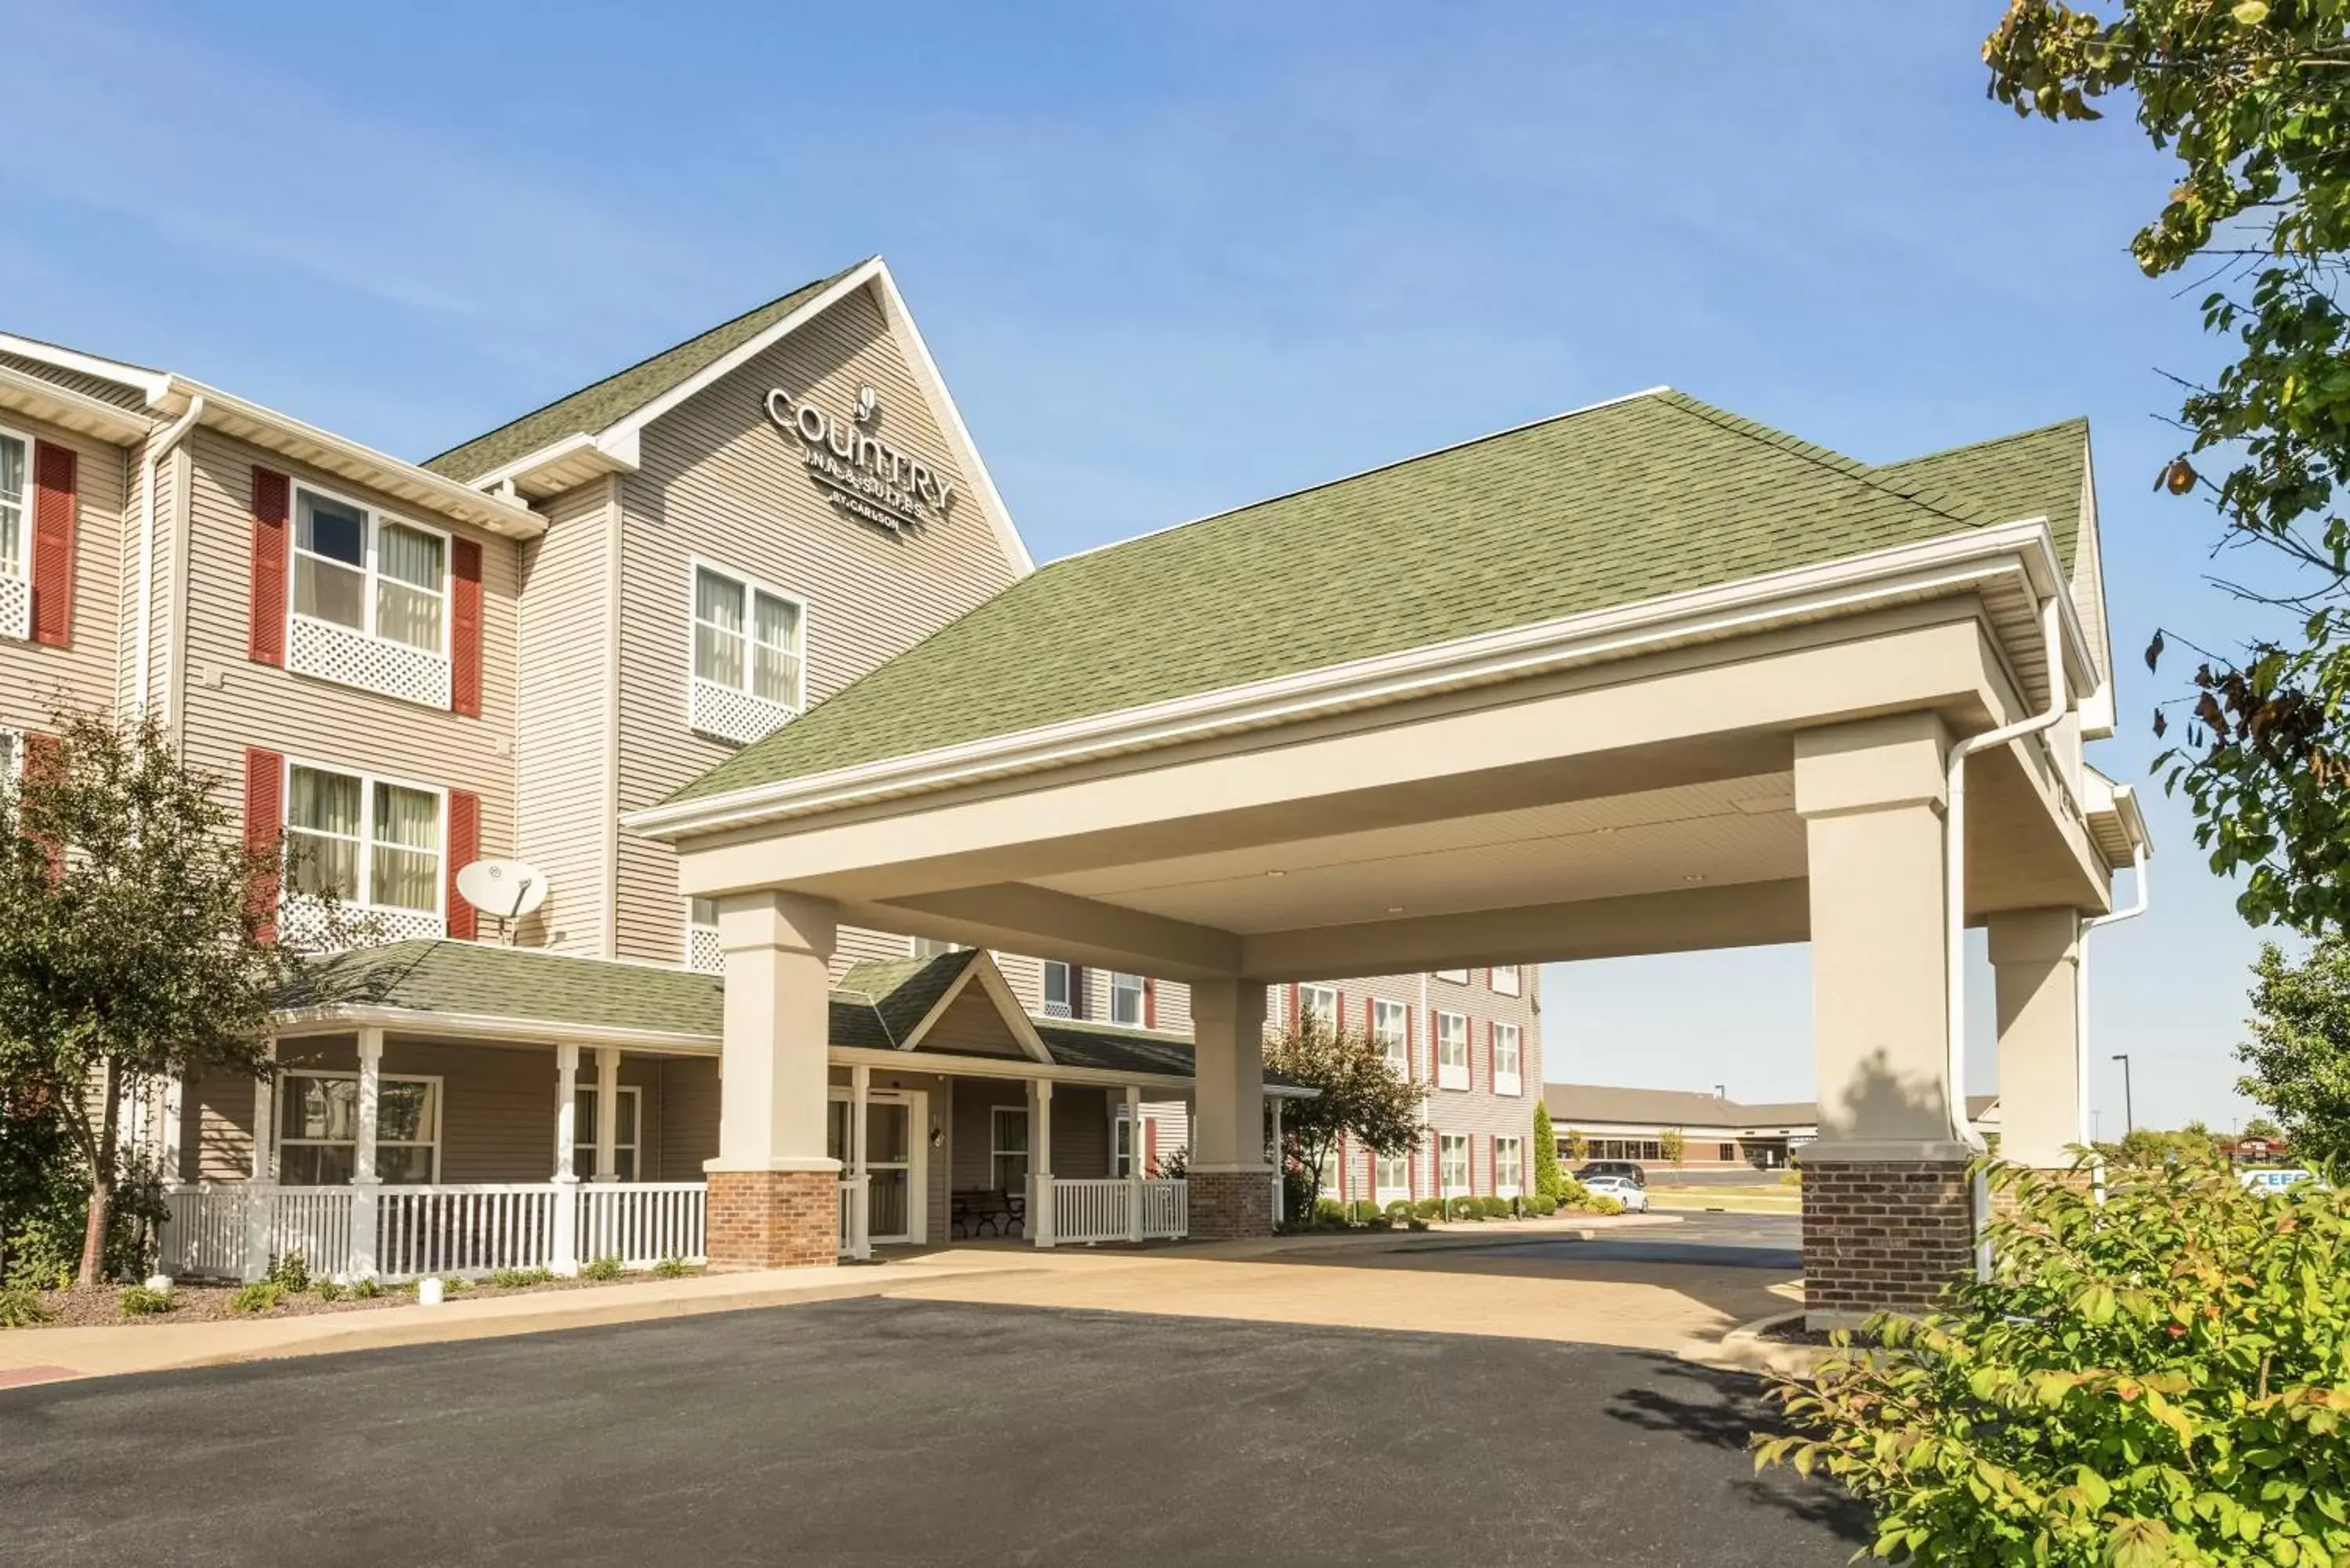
x=230, y=702
x=936, y=1110
x=854, y=944
x=32, y=675
x=1081, y=1129
x=689, y=1127
x=719, y=481
x=216, y=1112
x=973, y=1025
x=563, y=747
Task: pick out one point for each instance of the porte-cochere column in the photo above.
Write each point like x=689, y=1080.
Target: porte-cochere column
x=1231, y=1183
x=774, y=1195
x=1888, y=1211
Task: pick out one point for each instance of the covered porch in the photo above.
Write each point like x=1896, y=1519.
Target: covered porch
x=447, y=1108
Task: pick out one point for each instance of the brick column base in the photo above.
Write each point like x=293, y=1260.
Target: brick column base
x=1883, y=1235
x=773, y=1218
x=1227, y=1205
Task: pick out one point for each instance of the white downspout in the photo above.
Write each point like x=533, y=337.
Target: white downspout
x=143, y=636
x=2081, y=1001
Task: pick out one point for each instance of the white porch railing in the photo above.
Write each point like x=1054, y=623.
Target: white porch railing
x=856, y=1240
x=232, y=1230
x=1096, y=1210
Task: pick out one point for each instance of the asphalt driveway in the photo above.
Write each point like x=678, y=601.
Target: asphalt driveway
x=895, y=1431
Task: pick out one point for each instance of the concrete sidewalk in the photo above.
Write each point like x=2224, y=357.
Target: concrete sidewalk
x=1483, y=1279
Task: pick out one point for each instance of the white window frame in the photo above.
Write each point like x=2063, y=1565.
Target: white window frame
x=1510, y=1181
x=23, y=563
x=12, y=758
x=1396, y=1039
x=1447, y=1144
x=1513, y=1081
x=996, y=1151
x=279, y=1142
x=1451, y=1075
x=1384, y=1191
x=1457, y=976
x=703, y=953
x=752, y=588
x=368, y=781
x=930, y=947
x=1138, y=989
x=371, y=572
x=1320, y=1000
x=584, y=1169
x=1069, y=1002
x=1517, y=981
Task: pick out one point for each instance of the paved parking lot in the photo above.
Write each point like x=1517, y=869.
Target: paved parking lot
x=906, y=1431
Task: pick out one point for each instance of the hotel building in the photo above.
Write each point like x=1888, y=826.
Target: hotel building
x=400, y=668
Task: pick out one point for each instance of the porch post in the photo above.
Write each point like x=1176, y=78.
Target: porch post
x=563, y=1245
x=168, y=1155
x=1228, y=1172
x=363, y=1177
x=861, y=1216
x=1040, y=1161
x=607, y=1113
x=1134, y=1162
x=261, y=1193
x=2035, y=954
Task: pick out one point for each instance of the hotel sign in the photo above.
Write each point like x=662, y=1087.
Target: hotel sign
x=861, y=475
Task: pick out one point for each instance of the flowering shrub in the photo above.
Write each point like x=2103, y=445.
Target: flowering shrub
x=2164, y=1378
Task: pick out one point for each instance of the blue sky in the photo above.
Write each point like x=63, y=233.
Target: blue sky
x=1173, y=258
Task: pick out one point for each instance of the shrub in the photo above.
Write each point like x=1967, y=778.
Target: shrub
x=260, y=1296
x=1541, y=1206
x=21, y=1307
x=328, y=1291
x=1600, y=1203
x=1428, y=1208
x=1329, y=1213
x=1464, y=1208
x=672, y=1269
x=1399, y=1210
x=1493, y=1207
x=289, y=1271
x=365, y=1290
x=604, y=1268
x=2156, y=1380
x=1548, y=1173
x=138, y=1300
x=1363, y=1210
x=519, y=1279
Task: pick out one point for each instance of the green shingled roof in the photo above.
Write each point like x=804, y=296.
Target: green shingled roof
x=2031, y=473
x=615, y=397
x=1647, y=495
x=876, y=1005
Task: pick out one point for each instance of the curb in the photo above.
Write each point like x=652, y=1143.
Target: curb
x=1745, y=1349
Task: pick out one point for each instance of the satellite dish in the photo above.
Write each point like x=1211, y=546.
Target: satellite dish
x=507, y=889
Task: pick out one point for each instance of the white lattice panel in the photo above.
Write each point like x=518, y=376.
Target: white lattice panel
x=15, y=607
x=729, y=715
x=301, y=922
x=703, y=953
x=335, y=652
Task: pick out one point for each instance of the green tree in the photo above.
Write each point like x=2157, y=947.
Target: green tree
x=1550, y=1181
x=2264, y=1129
x=2298, y=1058
x=2252, y=98
x=1578, y=1147
x=1672, y=1145
x=1359, y=1097
x=135, y=937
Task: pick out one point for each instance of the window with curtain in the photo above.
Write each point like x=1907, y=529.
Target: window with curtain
x=1452, y=1163
x=1507, y=1055
x=1452, y=1050
x=701, y=914
x=15, y=466
x=1318, y=1004
x=319, y=1121
x=1126, y=999
x=1394, y=1179
x=625, y=1137
x=367, y=572
x=746, y=638
x=365, y=841
x=1060, y=990
x=1389, y=1028
x=1509, y=1167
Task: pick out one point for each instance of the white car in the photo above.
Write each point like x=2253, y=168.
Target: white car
x=1624, y=1189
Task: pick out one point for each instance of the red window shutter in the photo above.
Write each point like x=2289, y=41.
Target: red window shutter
x=273, y=501
x=1150, y=1003
x=1291, y=1017
x=1342, y=1167
x=1493, y=1165
x=464, y=848
x=1149, y=1145
x=265, y=815
x=1337, y=1012
x=465, y=629
x=56, y=509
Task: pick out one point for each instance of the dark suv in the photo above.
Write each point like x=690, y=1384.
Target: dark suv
x=1629, y=1170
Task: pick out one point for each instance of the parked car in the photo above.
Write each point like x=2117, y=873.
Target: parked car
x=1622, y=1189
x=1628, y=1170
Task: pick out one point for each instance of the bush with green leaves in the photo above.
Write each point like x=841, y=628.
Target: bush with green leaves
x=1399, y=1211
x=1363, y=1210
x=2158, y=1379
x=1542, y=1206
x=519, y=1279
x=1462, y=1208
x=365, y=1290
x=289, y=1271
x=1548, y=1173
x=260, y=1296
x=21, y=1307
x=1328, y=1212
x=1428, y=1208
x=604, y=1268
x=138, y=1301
x=329, y=1291
x=1493, y=1207
x=672, y=1268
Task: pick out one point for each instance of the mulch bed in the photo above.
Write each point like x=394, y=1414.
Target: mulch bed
x=204, y=1302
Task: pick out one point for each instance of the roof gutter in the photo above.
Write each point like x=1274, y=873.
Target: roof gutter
x=143, y=635
x=1943, y=566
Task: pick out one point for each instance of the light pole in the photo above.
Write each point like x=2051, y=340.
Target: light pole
x=2129, y=1121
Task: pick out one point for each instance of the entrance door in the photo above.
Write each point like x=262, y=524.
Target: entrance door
x=893, y=1161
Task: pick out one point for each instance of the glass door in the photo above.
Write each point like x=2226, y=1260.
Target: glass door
x=890, y=1171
